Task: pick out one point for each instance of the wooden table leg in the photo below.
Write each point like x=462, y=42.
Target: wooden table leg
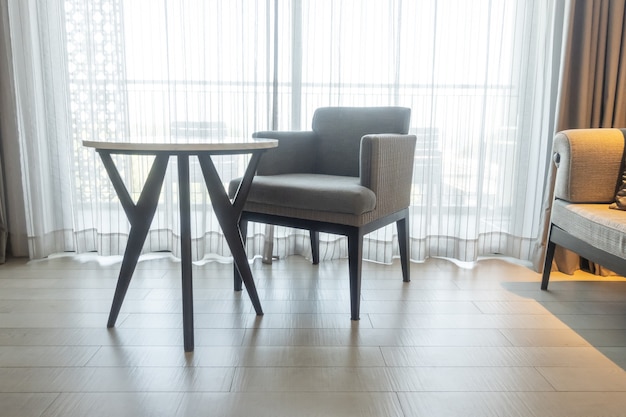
x=140, y=217
x=228, y=214
x=185, y=251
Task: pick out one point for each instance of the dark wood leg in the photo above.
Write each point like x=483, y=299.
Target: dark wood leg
x=315, y=246
x=140, y=217
x=547, y=264
x=355, y=255
x=228, y=215
x=243, y=267
x=403, y=243
x=243, y=226
x=185, y=251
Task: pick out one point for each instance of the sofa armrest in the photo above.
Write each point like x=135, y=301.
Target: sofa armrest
x=386, y=167
x=295, y=153
x=588, y=164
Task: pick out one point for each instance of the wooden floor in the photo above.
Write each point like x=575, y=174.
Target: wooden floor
x=481, y=341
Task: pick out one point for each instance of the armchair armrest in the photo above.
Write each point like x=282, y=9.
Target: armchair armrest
x=386, y=168
x=588, y=164
x=294, y=154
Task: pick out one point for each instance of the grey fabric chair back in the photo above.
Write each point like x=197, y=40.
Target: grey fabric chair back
x=339, y=131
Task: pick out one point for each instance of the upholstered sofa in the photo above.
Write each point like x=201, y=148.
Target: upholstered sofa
x=589, y=173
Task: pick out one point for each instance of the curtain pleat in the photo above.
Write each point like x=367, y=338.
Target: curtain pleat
x=593, y=87
x=7, y=123
x=4, y=231
x=478, y=77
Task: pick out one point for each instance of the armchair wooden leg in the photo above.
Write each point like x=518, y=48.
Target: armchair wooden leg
x=547, y=265
x=355, y=260
x=403, y=243
x=315, y=246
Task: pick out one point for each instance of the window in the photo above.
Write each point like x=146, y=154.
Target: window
x=475, y=75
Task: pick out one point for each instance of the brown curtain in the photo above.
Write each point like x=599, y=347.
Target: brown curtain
x=593, y=83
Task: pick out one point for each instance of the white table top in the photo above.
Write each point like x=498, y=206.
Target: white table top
x=188, y=145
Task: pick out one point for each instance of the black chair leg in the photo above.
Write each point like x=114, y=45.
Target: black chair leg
x=315, y=246
x=547, y=265
x=403, y=243
x=355, y=259
x=243, y=226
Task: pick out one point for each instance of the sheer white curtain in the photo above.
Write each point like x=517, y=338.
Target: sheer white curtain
x=478, y=76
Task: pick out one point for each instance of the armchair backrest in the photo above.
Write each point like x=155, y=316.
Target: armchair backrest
x=589, y=162
x=339, y=131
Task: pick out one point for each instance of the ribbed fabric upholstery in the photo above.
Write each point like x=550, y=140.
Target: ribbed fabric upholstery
x=589, y=165
x=387, y=169
x=596, y=224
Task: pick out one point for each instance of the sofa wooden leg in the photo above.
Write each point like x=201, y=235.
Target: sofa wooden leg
x=547, y=265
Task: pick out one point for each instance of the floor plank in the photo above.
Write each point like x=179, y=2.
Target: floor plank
x=456, y=341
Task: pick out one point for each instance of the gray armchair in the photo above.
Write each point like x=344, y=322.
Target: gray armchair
x=350, y=175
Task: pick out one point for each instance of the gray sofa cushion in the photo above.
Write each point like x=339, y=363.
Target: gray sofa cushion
x=595, y=224
x=318, y=192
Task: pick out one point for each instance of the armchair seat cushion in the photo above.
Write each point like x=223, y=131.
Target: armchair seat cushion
x=595, y=224
x=318, y=192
